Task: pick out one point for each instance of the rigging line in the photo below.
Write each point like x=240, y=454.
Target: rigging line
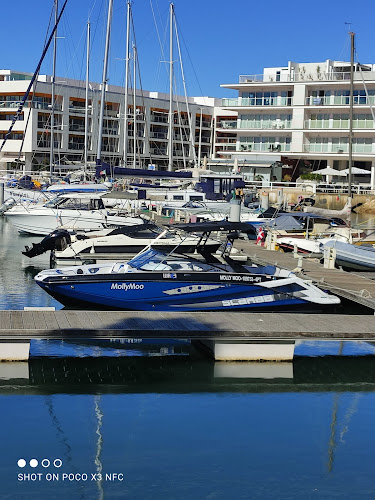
x=141, y=90
x=160, y=41
x=33, y=94
x=192, y=137
x=22, y=103
x=365, y=87
x=192, y=65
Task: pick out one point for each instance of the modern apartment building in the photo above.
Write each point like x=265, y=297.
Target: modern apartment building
x=299, y=115
x=32, y=132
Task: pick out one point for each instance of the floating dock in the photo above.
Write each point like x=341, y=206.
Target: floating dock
x=227, y=336
x=357, y=287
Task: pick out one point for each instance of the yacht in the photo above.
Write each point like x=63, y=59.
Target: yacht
x=75, y=211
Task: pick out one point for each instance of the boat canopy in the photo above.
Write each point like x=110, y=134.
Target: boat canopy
x=208, y=227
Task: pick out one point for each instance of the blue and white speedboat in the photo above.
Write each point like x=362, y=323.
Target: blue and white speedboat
x=155, y=281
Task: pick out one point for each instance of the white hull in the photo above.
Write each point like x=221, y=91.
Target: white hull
x=40, y=222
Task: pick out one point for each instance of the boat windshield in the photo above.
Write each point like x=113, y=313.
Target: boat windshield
x=144, y=258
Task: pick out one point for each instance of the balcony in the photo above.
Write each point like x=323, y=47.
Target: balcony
x=76, y=146
x=334, y=124
x=226, y=147
x=265, y=124
x=257, y=101
x=158, y=152
x=179, y=137
x=74, y=127
x=77, y=109
x=338, y=148
x=179, y=153
x=227, y=124
x=342, y=100
x=159, y=135
x=266, y=147
x=181, y=122
x=204, y=123
x=110, y=131
x=159, y=118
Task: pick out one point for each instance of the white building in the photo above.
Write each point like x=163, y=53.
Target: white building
x=32, y=135
x=301, y=112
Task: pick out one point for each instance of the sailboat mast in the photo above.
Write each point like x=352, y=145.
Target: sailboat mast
x=104, y=82
x=126, y=96
x=87, y=98
x=134, y=109
x=351, y=93
x=170, y=128
x=52, y=121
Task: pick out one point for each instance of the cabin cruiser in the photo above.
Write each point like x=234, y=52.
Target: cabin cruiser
x=114, y=244
x=76, y=211
x=157, y=281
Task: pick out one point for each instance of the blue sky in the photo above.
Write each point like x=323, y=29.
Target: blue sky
x=219, y=39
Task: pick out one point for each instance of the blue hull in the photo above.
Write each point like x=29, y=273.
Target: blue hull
x=173, y=295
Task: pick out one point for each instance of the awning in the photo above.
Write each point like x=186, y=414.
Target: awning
x=330, y=171
x=356, y=171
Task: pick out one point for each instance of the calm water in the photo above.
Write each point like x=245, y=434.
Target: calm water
x=146, y=420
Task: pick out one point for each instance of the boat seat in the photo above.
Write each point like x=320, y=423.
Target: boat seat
x=119, y=267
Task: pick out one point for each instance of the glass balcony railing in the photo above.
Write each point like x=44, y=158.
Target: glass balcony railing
x=265, y=124
x=338, y=124
x=269, y=148
x=303, y=75
x=36, y=105
x=338, y=148
x=159, y=135
x=342, y=100
x=257, y=101
x=226, y=147
x=158, y=152
x=159, y=118
x=227, y=124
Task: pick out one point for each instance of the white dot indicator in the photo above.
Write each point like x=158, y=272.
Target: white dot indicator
x=21, y=462
x=33, y=462
x=57, y=463
x=45, y=462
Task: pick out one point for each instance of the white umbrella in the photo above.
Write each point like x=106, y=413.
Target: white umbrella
x=356, y=171
x=329, y=171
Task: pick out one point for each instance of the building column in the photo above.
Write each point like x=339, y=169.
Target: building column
x=28, y=162
x=373, y=175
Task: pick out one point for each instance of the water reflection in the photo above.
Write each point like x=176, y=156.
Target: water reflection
x=184, y=374
x=182, y=427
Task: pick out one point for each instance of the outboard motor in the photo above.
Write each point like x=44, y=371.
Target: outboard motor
x=57, y=240
x=7, y=205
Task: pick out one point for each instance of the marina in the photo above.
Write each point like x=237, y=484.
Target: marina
x=187, y=284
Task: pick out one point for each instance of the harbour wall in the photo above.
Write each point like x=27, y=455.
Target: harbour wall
x=332, y=201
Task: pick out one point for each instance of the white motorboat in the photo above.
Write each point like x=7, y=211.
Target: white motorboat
x=85, y=212
x=115, y=244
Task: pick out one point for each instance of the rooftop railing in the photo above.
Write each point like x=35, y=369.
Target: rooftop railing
x=303, y=75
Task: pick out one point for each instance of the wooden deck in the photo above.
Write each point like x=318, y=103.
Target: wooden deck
x=357, y=287
x=64, y=324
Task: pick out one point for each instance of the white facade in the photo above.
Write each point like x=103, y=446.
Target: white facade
x=151, y=116
x=301, y=112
